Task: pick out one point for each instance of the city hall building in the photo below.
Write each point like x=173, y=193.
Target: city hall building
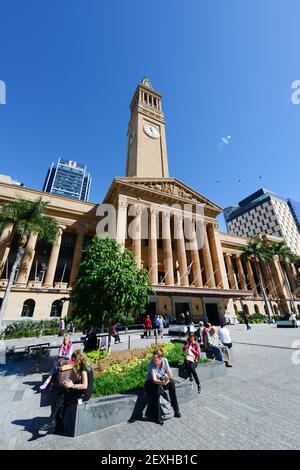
x=157, y=218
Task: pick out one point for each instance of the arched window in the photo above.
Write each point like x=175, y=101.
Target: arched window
x=1, y=300
x=235, y=308
x=28, y=308
x=256, y=308
x=56, y=308
x=297, y=307
x=275, y=309
x=246, y=309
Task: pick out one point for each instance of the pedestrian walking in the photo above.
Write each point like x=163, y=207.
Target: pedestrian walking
x=148, y=326
x=224, y=335
x=293, y=319
x=161, y=326
x=246, y=321
x=61, y=331
x=192, y=351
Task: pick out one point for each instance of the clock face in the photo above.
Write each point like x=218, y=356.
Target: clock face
x=152, y=131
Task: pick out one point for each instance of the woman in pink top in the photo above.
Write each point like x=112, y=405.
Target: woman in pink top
x=192, y=350
x=64, y=357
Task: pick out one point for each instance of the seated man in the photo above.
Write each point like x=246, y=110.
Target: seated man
x=160, y=376
x=215, y=346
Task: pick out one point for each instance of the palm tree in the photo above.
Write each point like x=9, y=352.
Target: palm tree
x=26, y=217
x=257, y=251
x=285, y=255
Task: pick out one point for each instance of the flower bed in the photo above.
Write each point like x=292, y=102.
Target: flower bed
x=124, y=371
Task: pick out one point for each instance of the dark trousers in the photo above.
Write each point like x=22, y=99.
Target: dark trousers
x=153, y=391
x=65, y=398
x=116, y=338
x=148, y=332
x=295, y=325
x=191, y=371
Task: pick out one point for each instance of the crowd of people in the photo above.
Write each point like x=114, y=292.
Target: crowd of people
x=72, y=375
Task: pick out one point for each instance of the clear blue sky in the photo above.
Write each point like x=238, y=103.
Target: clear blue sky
x=223, y=67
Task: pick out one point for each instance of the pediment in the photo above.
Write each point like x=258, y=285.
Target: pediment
x=164, y=188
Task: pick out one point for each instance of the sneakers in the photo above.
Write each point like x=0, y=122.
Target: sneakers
x=191, y=379
x=177, y=414
x=199, y=388
x=49, y=427
x=45, y=384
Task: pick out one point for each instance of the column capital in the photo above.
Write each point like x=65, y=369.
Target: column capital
x=122, y=202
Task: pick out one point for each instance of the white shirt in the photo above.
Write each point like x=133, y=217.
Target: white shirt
x=293, y=317
x=224, y=335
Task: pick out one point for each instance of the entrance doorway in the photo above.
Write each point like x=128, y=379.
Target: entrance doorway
x=151, y=309
x=212, y=313
x=181, y=307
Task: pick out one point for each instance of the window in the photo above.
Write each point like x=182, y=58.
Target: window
x=56, y=308
x=256, y=308
x=28, y=308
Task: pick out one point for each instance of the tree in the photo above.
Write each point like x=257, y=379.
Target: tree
x=284, y=255
x=26, y=217
x=109, y=287
x=257, y=251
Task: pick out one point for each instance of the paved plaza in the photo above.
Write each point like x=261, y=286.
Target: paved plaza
x=255, y=406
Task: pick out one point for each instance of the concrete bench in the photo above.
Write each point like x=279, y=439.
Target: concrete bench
x=100, y=413
x=286, y=324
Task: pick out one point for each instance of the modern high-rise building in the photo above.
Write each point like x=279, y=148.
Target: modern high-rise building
x=69, y=179
x=295, y=209
x=264, y=213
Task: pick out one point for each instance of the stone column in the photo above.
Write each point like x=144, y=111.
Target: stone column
x=230, y=271
x=167, y=248
x=50, y=273
x=77, y=254
x=251, y=276
x=242, y=278
x=180, y=245
x=27, y=259
x=196, y=267
x=136, y=235
x=5, y=242
x=215, y=255
x=153, y=265
x=208, y=266
x=122, y=221
x=290, y=274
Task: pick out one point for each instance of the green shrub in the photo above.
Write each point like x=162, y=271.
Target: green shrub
x=95, y=356
x=122, y=378
x=31, y=328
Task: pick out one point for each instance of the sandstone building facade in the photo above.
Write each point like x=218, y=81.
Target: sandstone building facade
x=170, y=227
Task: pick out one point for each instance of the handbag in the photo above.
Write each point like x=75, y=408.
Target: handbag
x=190, y=356
x=165, y=406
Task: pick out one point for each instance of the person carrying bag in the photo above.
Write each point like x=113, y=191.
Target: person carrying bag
x=192, y=350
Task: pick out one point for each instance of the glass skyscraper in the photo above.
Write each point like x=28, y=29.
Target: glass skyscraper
x=69, y=179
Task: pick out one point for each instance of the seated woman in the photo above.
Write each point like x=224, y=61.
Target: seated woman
x=192, y=350
x=214, y=345
x=160, y=376
x=114, y=333
x=72, y=392
x=64, y=357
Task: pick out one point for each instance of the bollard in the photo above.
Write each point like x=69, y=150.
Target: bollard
x=128, y=341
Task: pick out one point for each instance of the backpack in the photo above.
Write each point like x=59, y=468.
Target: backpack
x=165, y=406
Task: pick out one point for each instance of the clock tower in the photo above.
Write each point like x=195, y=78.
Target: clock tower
x=147, y=148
